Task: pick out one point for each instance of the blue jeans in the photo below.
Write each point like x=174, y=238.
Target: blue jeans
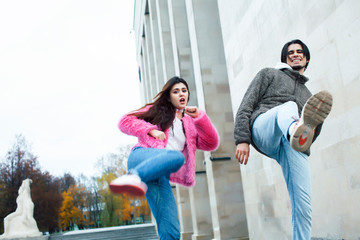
x=269, y=133
x=154, y=167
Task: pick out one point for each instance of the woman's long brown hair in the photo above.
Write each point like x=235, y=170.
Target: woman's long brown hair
x=162, y=112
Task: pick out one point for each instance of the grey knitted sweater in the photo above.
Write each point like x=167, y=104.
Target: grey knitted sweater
x=270, y=87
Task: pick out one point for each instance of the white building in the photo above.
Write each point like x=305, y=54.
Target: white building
x=218, y=46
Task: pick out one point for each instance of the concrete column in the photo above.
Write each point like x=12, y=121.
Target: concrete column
x=184, y=210
x=200, y=208
x=141, y=52
x=147, y=70
x=198, y=196
x=156, y=46
x=199, y=202
x=150, y=56
x=143, y=76
x=165, y=40
x=223, y=172
x=181, y=45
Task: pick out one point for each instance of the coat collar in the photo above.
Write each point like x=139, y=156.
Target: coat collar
x=292, y=73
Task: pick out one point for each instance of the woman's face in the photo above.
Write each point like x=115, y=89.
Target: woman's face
x=179, y=96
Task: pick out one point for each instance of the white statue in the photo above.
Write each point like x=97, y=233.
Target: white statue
x=21, y=223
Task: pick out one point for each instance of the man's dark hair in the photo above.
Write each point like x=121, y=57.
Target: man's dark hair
x=284, y=51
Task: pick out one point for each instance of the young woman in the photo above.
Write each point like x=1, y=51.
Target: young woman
x=168, y=132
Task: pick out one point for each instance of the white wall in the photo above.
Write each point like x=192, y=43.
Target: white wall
x=254, y=32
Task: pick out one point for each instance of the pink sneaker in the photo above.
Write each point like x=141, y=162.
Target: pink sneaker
x=315, y=110
x=130, y=184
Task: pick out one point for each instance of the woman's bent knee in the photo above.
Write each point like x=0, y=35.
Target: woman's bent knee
x=176, y=157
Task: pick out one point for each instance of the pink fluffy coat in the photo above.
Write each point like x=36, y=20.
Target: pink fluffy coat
x=199, y=132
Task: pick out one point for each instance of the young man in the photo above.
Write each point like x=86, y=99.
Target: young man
x=281, y=119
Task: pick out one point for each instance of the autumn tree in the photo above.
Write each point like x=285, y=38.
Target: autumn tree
x=69, y=214
x=92, y=203
x=19, y=164
x=47, y=199
x=111, y=166
x=114, y=162
x=127, y=209
x=111, y=203
x=85, y=197
x=66, y=181
x=86, y=202
x=118, y=209
x=143, y=210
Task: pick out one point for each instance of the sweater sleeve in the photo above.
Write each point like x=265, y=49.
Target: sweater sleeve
x=250, y=101
x=131, y=125
x=207, y=136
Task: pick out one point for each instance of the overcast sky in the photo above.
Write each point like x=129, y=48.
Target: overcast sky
x=68, y=72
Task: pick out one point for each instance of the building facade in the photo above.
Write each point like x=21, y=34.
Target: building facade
x=218, y=46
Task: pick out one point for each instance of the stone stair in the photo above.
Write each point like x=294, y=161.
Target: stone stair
x=138, y=232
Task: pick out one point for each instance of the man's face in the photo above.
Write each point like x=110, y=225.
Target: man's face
x=296, y=59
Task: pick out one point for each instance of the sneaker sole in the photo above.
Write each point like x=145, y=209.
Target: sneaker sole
x=129, y=189
x=316, y=109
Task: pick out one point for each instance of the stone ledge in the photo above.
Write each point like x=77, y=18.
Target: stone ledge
x=27, y=238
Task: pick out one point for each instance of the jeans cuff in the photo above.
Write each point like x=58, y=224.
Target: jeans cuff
x=133, y=172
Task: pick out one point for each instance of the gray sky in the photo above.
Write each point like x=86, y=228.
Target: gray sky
x=68, y=72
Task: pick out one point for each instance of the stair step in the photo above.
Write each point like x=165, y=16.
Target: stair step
x=138, y=232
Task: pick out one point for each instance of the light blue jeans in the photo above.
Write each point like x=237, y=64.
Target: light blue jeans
x=269, y=133
x=154, y=167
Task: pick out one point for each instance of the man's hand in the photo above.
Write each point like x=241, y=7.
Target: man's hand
x=242, y=153
x=157, y=134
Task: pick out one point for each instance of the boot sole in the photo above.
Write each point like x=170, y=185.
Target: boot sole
x=316, y=109
x=133, y=190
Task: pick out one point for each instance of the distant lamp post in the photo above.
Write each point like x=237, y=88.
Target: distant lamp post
x=135, y=203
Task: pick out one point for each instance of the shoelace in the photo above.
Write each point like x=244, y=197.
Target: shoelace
x=296, y=119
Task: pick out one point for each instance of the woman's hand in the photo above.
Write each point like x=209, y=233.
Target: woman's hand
x=157, y=134
x=192, y=111
x=242, y=152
